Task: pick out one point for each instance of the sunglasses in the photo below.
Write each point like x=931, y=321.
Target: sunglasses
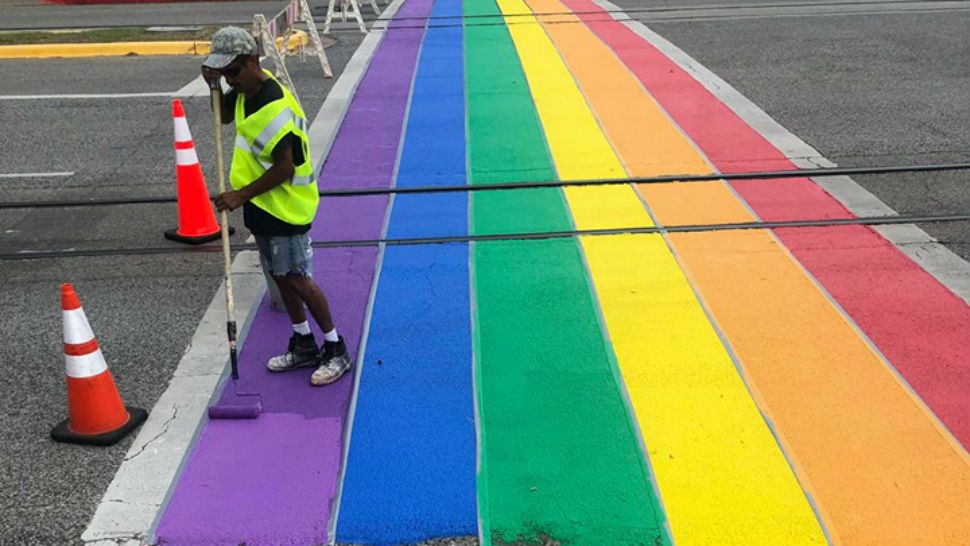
x=232, y=70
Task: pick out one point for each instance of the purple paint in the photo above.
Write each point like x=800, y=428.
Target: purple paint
x=272, y=480
x=222, y=500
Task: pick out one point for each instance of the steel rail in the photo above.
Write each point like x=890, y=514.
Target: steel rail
x=658, y=9
x=673, y=178
x=610, y=19
x=522, y=236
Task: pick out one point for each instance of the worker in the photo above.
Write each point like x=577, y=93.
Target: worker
x=273, y=181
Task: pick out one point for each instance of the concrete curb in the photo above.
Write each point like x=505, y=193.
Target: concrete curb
x=122, y=49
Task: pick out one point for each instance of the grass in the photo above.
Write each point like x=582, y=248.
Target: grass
x=105, y=35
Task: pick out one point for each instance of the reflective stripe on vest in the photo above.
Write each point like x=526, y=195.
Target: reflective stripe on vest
x=302, y=180
x=271, y=129
x=243, y=144
x=274, y=126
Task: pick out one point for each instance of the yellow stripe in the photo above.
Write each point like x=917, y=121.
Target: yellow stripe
x=579, y=149
x=722, y=476
x=838, y=410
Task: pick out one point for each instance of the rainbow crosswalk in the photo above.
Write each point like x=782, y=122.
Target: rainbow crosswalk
x=787, y=386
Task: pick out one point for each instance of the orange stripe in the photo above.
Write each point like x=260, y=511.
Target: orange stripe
x=880, y=469
x=720, y=472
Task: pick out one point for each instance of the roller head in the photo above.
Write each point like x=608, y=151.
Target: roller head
x=247, y=411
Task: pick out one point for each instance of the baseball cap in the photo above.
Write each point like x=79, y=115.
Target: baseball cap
x=227, y=44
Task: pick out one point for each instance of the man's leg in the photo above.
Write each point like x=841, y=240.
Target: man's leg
x=291, y=300
x=309, y=293
x=295, y=254
x=334, y=360
x=302, y=350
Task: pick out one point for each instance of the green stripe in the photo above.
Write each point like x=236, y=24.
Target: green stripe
x=559, y=453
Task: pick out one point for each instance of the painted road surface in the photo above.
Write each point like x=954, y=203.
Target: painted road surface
x=545, y=373
x=723, y=474
x=273, y=480
x=789, y=386
x=411, y=466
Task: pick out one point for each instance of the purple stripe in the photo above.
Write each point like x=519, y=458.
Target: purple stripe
x=272, y=480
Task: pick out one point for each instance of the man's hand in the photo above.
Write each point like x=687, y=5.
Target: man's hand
x=211, y=77
x=230, y=200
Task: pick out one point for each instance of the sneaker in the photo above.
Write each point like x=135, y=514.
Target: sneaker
x=301, y=352
x=334, y=361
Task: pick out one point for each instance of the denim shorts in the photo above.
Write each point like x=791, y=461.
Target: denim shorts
x=286, y=254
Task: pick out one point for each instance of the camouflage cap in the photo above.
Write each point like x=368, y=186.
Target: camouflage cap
x=227, y=44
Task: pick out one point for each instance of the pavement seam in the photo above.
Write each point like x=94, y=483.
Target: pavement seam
x=940, y=262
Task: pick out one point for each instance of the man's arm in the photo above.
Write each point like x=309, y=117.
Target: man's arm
x=281, y=170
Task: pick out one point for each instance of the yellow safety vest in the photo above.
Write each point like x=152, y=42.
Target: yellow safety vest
x=295, y=200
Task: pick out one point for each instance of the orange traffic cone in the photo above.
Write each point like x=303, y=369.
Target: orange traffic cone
x=197, y=220
x=96, y=415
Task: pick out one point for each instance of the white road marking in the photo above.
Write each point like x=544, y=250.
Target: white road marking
x=199, y=88
x=195, y=88
x=85, y=96
x=940, y=262
x=754, y=11
x=133, y=503
x=37, y=175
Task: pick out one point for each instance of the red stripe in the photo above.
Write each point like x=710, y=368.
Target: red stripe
x=81, y=349
x=184, y=145
x=916, y=322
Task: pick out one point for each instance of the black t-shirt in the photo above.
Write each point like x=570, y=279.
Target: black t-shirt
x=256, y=219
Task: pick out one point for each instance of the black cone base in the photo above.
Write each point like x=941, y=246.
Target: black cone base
x=173, y=235
x=62, y=433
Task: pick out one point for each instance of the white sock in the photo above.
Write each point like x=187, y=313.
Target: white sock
x=302, y=328
x=331, y=336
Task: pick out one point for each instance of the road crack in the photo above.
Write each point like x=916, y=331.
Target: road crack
x=165, y=425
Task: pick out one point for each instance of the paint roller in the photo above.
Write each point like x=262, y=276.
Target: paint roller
x=241, y=405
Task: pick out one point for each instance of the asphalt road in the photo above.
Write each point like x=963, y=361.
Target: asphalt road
x=862, y=89
x=890, y=89
x=143, y=310
x=46, y=16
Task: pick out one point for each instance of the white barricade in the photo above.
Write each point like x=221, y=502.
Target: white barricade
x=282, y=27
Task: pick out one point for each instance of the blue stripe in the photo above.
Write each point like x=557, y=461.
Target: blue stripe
x=410, y=472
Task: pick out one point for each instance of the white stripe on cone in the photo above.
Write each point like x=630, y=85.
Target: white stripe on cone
x=76, y=327
x=89, y=365
x=182, y=133
x=186, y=157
